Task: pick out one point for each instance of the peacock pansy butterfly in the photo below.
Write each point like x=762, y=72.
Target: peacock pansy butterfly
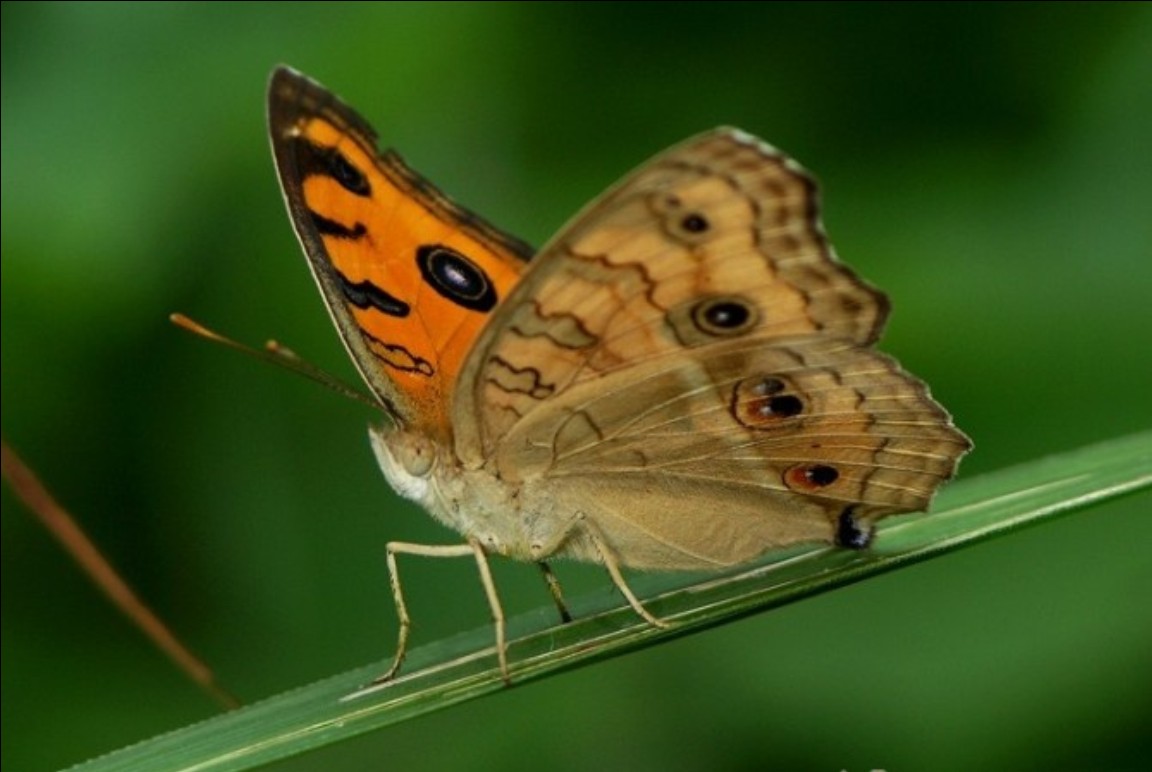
x=683, y=378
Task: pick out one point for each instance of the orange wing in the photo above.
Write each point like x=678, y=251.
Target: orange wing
x=408, y=276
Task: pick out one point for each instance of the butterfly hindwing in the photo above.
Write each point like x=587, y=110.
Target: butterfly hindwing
x=687, y=361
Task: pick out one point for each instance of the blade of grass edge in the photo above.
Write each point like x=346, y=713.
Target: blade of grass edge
x=463, y=667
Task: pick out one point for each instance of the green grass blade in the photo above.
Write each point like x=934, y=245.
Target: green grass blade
x=464, y=667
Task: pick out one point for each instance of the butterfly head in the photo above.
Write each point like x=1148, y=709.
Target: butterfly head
x=407, y=459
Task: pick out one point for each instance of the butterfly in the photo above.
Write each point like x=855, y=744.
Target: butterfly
x=683, y=378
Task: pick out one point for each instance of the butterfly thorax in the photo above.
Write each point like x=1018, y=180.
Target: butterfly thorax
x=517, y=520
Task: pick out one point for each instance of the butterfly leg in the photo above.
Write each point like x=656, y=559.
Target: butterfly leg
x=474, y=548
x=613, y=567
x=554, y=588
x=494, y=604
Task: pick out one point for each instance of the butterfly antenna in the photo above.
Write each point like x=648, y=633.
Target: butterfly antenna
x=282, y=356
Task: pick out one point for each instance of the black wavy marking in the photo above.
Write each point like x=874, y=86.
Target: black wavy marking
x=387, y=353
x=365, y=295
x=341, y=231
x=537, y=389
x=330, y=162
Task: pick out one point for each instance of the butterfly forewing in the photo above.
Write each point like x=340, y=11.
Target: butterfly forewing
x=408, y=276
x=715, y=238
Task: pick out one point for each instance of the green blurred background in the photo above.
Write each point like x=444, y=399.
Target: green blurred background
x=990, y=166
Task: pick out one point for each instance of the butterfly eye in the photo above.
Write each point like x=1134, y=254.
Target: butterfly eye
x=456, y=278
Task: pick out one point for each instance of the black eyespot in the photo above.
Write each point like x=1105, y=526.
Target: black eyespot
x=810, y=478
x=728, y=315
x=783, y=406
x=767, y=386
x=821, y=475
x=695, y=223
x=764, y=402
x=455, y=277
x=850, y=533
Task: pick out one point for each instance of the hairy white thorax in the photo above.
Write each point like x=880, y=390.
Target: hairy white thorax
x=520, y=521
